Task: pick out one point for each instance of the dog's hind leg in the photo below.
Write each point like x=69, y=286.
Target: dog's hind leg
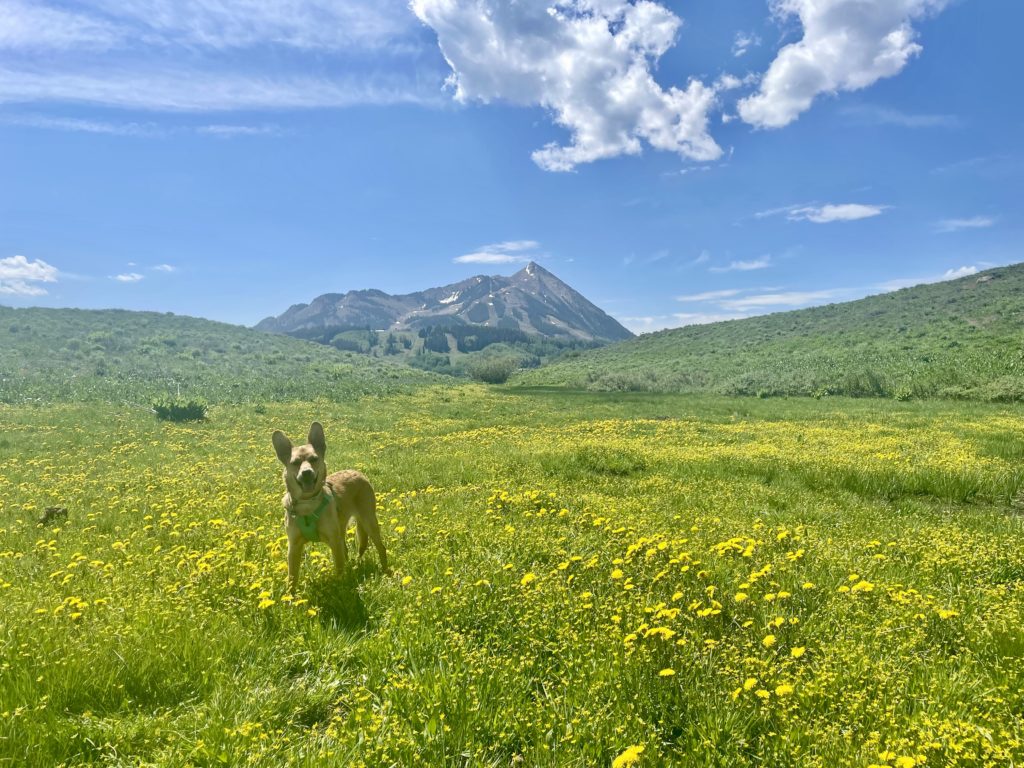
x=361, y=538
x=373, y=532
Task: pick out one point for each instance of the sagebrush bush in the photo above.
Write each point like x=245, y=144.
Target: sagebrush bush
x=180, y=410
x=494, y=370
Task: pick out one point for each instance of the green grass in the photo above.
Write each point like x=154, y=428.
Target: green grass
x=555, y=551
x=962, y=339
x=74, y=355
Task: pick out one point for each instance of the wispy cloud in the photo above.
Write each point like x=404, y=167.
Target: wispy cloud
x=784, y=299
x=21, y=277
x=710, y=295
x=150, y=54
x=128, y=277
x=174, y=90
x=230, y=131
x=508, y=252
x=908, y=282
x=743, y=42
x=956, y=225
x=165, y=268
x=877, y=115
x=825, y=214
x=745, y=266
x=82, y=126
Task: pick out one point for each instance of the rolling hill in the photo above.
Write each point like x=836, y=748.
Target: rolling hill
x=958, y=339
x=59, y=355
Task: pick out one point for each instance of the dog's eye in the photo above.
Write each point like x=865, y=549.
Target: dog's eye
x=314, y=459
x=296, y=462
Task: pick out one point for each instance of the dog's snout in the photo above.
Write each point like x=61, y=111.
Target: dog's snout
x=307, y=474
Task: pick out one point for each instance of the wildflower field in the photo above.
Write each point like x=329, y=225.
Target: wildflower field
x=580, y=580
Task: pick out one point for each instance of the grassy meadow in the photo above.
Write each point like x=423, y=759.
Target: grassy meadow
x=581, y=579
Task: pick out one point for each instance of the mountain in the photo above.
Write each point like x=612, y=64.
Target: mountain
x=958, y=339
x=61, y=355
x=532, y=300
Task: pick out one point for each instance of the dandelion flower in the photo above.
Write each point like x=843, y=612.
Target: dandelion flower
x=768, y=641
x=797, y=652
x=527, y=578
x=630, y=757
x=783, y=690
x=668, y=672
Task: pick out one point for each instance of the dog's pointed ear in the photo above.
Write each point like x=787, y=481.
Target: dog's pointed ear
x=316, y=438
x=283, y=446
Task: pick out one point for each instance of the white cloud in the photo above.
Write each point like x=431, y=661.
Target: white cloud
x=214, y=24
x=825, y=214
x=710, y=295
x=588, y=61
x=230, y=131
x=876, y=115
x=508, y=252
x=248, y=54
x=783, y=299
x=908, y=282
x=745, y=266
x=956, y=225
x=743, y=42
x=129, y=277
x=175, y=90
x=165, y=268
x=847, y=45
x=35, y=27
x=21, y=277
x=83, y=126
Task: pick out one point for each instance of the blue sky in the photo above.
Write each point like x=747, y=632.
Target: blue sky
x=676, y=162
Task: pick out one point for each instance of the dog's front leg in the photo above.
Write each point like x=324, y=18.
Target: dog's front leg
x=340, y=550
x=295, y=547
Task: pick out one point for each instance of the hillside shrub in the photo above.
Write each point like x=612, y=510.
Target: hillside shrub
x=180, y=410
x=493, y=370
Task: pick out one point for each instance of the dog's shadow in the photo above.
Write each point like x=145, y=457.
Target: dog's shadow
x=337, y=598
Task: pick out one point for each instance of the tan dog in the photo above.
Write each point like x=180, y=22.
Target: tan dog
x=318, y=507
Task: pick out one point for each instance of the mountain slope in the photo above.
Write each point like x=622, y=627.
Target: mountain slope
x=963, y=338
x=532, y=300
x=122, y=356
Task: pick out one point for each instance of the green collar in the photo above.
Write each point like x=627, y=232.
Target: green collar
x=308, y=523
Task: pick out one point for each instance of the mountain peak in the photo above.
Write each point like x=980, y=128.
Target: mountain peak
x=532, y=300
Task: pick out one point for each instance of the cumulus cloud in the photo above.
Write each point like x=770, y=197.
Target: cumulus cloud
x=956, y=225
x=129, y=277
x=165, y=268
x=588, y=61
x=508, y=252
x=21, y=277
x=847, y=45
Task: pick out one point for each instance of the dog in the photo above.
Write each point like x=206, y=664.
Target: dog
x=319, y=506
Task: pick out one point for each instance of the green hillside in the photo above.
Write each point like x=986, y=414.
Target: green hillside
x=958, y=339
x=60, y=355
